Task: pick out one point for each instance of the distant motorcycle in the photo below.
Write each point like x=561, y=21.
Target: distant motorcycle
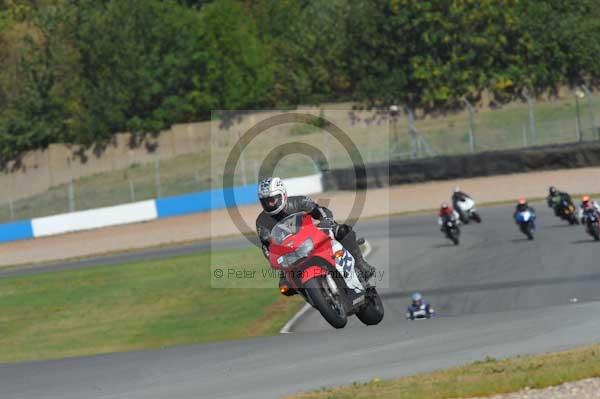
x=526, y=222
x=424, y=311
x=567, y=211
x=590, y=216
x=466, y=210
x=451, y=230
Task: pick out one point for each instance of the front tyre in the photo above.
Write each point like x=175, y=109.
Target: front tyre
x=327, y=301
x=529, y=231
x=454, y=234
x=371, y=313
x=476, y=217
x=454, y=239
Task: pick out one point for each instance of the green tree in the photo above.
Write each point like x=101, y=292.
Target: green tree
x=135, y=65
x=43, y=107
x=231, y=70
x=307, y=42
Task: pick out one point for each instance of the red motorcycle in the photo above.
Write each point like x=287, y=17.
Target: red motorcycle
x=320, y=269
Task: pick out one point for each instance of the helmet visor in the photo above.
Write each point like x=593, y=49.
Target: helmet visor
x=270, y=204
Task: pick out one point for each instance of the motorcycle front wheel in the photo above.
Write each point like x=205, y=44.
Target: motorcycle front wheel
x=371, y=313
x=328, y=300
x=453, y=235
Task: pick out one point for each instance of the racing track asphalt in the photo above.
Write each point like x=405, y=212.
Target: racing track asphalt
x=496, y=294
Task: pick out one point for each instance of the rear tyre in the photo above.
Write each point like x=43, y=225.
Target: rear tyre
x=595, y=231
x=328, y=303
x=530, y=236
x=371, y=313
x=572, y=220
x=529, y=232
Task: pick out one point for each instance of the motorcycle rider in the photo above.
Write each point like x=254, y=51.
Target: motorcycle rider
x=555, y=199
x=587, y=203
x=417, y=303
x=458, y=195
x=446, y=214
x=276, y=205
x=522, y=206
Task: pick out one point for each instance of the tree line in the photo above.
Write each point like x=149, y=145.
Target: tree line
x=78, y=71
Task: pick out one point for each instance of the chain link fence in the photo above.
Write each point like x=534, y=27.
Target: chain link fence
x=391, y=134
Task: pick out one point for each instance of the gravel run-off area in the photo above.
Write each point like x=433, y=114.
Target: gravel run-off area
x=584, y=389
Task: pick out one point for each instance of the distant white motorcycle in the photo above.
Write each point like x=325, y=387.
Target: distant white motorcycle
x=467, y=211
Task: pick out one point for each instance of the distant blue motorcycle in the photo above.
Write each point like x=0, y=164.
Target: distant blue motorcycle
x=526, y=222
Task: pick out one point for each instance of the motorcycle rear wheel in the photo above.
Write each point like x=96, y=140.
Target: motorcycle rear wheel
x=595, y=232
x=529, y=233
x=328, y=303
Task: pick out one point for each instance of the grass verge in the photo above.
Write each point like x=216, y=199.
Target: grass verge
x=483, y=378
x=135, y=306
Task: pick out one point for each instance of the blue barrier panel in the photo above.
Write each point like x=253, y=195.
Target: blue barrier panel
x=205, y=201
x=14, y=231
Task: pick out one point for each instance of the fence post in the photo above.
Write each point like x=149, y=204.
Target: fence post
x=524, y=135
x=157, y=178
x=242, y=159
x=578, y=95
x=326, y=145
x=131, y=190
x=588, y=94
x=256, y=170
x=412, y=134
x=531, y=117
x=392, y=122
x=471, y=124
x=71, y=195
x=11, y=209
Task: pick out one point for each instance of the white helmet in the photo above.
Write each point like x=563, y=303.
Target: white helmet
x=456, y=189
x=272, y=195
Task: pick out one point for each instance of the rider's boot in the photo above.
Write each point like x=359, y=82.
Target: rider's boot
x=351, y=244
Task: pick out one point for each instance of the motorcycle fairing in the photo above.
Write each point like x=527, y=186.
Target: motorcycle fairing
x=345, y=265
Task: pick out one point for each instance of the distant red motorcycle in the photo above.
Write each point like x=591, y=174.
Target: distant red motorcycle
x=320, y=269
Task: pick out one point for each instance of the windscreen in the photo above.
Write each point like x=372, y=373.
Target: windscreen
x=287, y=227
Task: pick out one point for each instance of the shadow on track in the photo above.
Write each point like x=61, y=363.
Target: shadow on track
x=521, y=240
x=588, y=241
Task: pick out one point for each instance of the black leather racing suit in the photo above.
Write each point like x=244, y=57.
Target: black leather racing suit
x=342, y=232
x=555, y=201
